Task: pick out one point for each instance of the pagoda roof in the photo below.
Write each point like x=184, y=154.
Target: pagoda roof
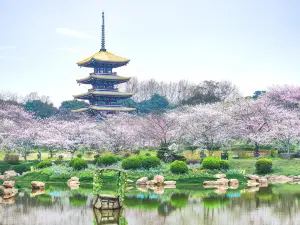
x=103, y=57
x=104, y=93
x=103, y=108
x=103, y=77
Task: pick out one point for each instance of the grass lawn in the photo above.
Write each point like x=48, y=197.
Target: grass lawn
x=280, y=166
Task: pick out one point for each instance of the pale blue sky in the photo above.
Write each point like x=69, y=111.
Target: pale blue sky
x=254, y=44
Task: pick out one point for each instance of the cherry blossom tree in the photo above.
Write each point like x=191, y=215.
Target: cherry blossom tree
x=206, y=126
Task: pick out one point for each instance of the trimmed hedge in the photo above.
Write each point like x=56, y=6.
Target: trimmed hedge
x=107, y=159
x=132, y=163
x=150, y=162
x=43, y=164
x=178, y=167
x=139, y=162
x=78, y=163
x=263, y=166
x=211, y=163
x=11, y=159
x=224, y=164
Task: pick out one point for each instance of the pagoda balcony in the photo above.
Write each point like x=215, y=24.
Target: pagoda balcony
x=103, y=89
x=112, y=73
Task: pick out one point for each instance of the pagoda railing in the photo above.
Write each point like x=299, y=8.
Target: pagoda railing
x=102, y=89
x=113, y=73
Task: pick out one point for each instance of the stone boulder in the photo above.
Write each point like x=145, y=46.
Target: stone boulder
x=220, y=175
x=9, y=184
x=233, y=182
x=280, y=179
x=170, y=182
x=129, y=181
x=142, y=181
x=10, y=173
x=2, y=177
x=169, y=186
x=223, y=182
x=38, y=185
x=252, y=183
x=73, y=181
x=158, y=179
x=252, y=177
x=9, y=192
x=150, y=183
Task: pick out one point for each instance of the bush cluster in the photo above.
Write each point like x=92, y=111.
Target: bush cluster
x=139, y=162
x=43, y=164
x=178, y=167
x=224, y=165
x=214, y=163
x=107, y=159
x=78, y=163
x=79, y=155
x=11, y=159
x=263, y=166
x=211, y=163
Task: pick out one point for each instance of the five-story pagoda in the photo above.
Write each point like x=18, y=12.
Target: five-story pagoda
x=103, y=96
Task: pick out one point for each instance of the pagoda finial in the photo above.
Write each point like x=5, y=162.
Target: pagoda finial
x=103, y=34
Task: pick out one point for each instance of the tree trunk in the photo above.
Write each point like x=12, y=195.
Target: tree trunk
x=288, y=148
x=256, y=152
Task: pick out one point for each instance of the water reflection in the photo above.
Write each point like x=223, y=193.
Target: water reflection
x=58, y=204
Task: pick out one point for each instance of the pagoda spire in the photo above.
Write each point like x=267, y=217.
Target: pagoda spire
x=103, y=34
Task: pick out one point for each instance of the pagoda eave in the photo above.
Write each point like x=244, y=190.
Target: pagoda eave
x=98, y=64
x=104, y=93
x=93, y=77
x=105, y=108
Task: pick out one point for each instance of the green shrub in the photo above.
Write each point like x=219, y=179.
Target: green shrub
x=133, y=162
x=178, y=167
x=147, y=154
x=107, y=159
x=79, y=155
x=224, y=164
x=96, y=156
x=78, y=163
x=150, y=162
x=211, y=163
x=12, y=159
x=4, y=166
x=43, y=164
x=263, y=166
x=24, y=167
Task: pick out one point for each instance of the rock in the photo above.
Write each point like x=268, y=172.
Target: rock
x=252, y=183
x=9, y=174
x=219, y=182
x=170, y=186
x=73, y=181
x=233, y=182
x=129, y=181
x=158, y=179
x=36, y=192
x=142, y=188
x=2, y=177
x=220, y=175
x=280, y=179
x=222, y=182
x=38, y=185
x=9, y=201
x=159, y=190
x=142, y=181
x=1, y=200
x=2, y=187
x=150, y=183
x=9, y=184
x=9, y=192
x=221, y=190
x=262, y=180
x=252, y=177
x=170, y=182
x=129, y=188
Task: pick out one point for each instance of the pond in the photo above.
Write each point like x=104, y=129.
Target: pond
x=277, y=204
